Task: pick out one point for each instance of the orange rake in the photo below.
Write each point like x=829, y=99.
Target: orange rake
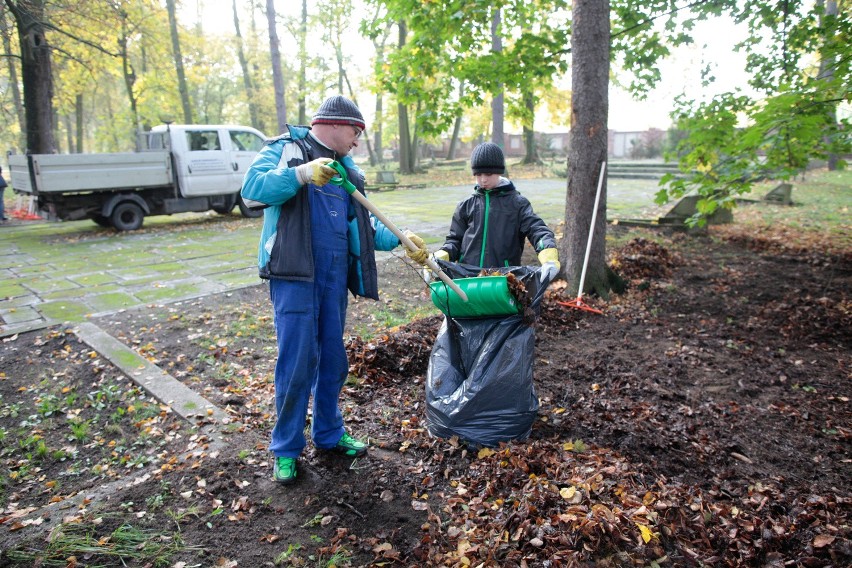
x=578, y=303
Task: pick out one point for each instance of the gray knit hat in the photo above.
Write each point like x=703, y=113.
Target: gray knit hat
x=487, y=159
x=339, y=110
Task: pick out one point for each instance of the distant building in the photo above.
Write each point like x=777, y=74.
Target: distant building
x=620, y=144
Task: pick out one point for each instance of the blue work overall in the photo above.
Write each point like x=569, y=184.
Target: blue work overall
x=309, y=322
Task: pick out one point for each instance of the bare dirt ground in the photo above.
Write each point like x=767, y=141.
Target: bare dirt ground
x=703, y=420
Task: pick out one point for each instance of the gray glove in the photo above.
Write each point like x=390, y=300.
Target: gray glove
x=548, y=271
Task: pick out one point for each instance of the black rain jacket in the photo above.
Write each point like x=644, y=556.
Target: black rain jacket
x=489, y=227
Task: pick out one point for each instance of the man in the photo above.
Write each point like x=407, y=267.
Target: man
x=316, y=242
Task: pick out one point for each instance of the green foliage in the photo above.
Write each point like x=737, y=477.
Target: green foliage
x=450, y=43
x=736, y=140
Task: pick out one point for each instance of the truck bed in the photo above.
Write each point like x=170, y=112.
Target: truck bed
x=77, y=173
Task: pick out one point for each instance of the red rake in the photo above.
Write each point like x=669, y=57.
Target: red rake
x=578, y=303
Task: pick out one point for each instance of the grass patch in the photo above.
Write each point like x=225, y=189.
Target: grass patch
x=126, y=545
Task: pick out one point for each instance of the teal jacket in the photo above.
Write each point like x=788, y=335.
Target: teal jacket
x=285, y=239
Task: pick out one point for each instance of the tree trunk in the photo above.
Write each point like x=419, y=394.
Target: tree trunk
x=366, y=137
x=377, y=156
x=36, y=76
x=69, y=133
x=826, y=73
x=5, y=30
x=497, y=102
x=590, y=44
x=414, y=151
x=454, y=140
x=128, y=72
x=404, y=134
x=181, y=76
x=404, y=140
x=247, y=84
x=303, y=64
x=277, y=72
x=338, y=53
x=78, y=107
x=531, y=156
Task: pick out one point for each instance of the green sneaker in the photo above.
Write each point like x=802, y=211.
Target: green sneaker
x=349, y=446
x=284, y=471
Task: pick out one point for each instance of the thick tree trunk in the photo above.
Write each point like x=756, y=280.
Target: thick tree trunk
x=497, y=102
x=181, y=76
x=590, y=44
x=36, y=76
x=247, y=83
x=277, y=72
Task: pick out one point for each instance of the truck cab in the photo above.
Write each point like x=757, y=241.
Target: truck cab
x=208, y=159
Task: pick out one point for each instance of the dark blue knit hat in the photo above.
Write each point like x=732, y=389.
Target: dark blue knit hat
x=339, y=110
x=487, y=159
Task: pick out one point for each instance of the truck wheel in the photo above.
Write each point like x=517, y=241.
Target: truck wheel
x=127, y=216
x=226, y=209
x=246, y=212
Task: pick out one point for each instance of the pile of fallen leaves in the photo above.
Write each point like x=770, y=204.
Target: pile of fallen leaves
x=400, y=353
x=553, y=501
x=641, y=259
x=780, y=240
x=812, y=317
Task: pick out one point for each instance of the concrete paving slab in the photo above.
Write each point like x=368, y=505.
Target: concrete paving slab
x=20, y=315
x=185, y=402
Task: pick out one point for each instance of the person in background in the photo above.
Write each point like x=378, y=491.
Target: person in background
x=316, y=242
x=489, y=227
x=3, y=185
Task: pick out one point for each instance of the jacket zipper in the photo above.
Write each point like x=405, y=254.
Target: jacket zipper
x=484, y=229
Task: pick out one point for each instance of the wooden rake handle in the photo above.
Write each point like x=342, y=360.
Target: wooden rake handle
x=408, y=244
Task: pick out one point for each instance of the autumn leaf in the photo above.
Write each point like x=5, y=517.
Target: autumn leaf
x=647, y=534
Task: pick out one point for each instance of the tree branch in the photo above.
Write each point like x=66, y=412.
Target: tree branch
x=670, y=12
x=79, y=39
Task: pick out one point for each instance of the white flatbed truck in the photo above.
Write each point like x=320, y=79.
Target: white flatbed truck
x=180, y=168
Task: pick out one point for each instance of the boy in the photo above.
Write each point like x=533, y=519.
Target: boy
x=489, y=227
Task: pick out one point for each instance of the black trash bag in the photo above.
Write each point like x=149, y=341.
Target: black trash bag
x=479, y=385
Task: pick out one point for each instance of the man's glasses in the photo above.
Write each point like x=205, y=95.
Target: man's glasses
x=358, y=132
